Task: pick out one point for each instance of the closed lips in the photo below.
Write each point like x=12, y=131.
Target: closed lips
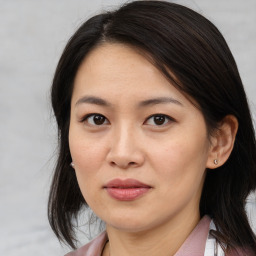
x=128, y=183
x=126, y=190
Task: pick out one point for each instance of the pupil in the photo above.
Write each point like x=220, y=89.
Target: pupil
x=98, y=120
x=159, y=120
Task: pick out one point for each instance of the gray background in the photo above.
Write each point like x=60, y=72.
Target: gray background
x=32, y=36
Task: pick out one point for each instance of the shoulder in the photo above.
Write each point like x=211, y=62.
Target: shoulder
x=93, y=248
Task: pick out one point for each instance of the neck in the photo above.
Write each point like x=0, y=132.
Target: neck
x=165, y=240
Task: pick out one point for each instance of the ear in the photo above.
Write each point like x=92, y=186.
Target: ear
x=222, y=142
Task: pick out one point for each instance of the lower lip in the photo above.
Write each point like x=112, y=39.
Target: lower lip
x=127, y=194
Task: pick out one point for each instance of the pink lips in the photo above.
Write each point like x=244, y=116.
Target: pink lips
x=126, y=190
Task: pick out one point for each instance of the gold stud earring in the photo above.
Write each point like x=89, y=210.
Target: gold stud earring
x=215, y=161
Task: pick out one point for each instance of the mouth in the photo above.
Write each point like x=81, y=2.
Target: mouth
x=126, y=190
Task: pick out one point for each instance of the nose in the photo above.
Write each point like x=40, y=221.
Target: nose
x=125, y=151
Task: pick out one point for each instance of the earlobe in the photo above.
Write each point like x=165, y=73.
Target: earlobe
x=222, y=142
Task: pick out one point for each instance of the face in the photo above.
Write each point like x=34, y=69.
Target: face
x=139, y=146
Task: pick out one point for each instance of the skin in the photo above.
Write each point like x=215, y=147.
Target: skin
x=170, y=157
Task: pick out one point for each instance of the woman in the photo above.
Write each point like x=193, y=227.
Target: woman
x=155, y=136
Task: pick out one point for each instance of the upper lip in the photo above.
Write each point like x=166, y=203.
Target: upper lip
x=127, y=183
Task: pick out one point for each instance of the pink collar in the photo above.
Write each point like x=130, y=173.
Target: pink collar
x=194, y=245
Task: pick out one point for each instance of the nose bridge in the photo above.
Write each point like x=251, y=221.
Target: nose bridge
x=124, y=146
x=123, y=139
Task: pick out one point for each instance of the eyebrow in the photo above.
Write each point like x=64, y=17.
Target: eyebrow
x=154, y=101
x=159, y=100
x=93, y=100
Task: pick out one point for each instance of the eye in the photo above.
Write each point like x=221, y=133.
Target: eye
x=95, y=119
x=158, y=120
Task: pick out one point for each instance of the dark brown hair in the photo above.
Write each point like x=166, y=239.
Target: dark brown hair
x=178, y=39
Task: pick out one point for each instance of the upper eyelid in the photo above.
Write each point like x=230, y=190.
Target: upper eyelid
x=83, y=118
x=169, y=120
x=160, y=114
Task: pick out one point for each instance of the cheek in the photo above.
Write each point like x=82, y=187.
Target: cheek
x=86, y=153
x=181, y=162
x=180, y=155
x=87, y=166
x=88, y=158
x=180, y=177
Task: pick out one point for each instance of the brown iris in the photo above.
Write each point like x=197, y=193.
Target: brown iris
x=159, y=120
x=98, y=119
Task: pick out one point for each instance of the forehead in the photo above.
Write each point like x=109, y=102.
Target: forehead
x=120, y=67
x=115, y=60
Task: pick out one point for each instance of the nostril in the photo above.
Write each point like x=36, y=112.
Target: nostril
x=123, y=165
x=112, y=163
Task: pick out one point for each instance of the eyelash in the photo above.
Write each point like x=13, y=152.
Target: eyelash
x=167, y=119
x=86, y=117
